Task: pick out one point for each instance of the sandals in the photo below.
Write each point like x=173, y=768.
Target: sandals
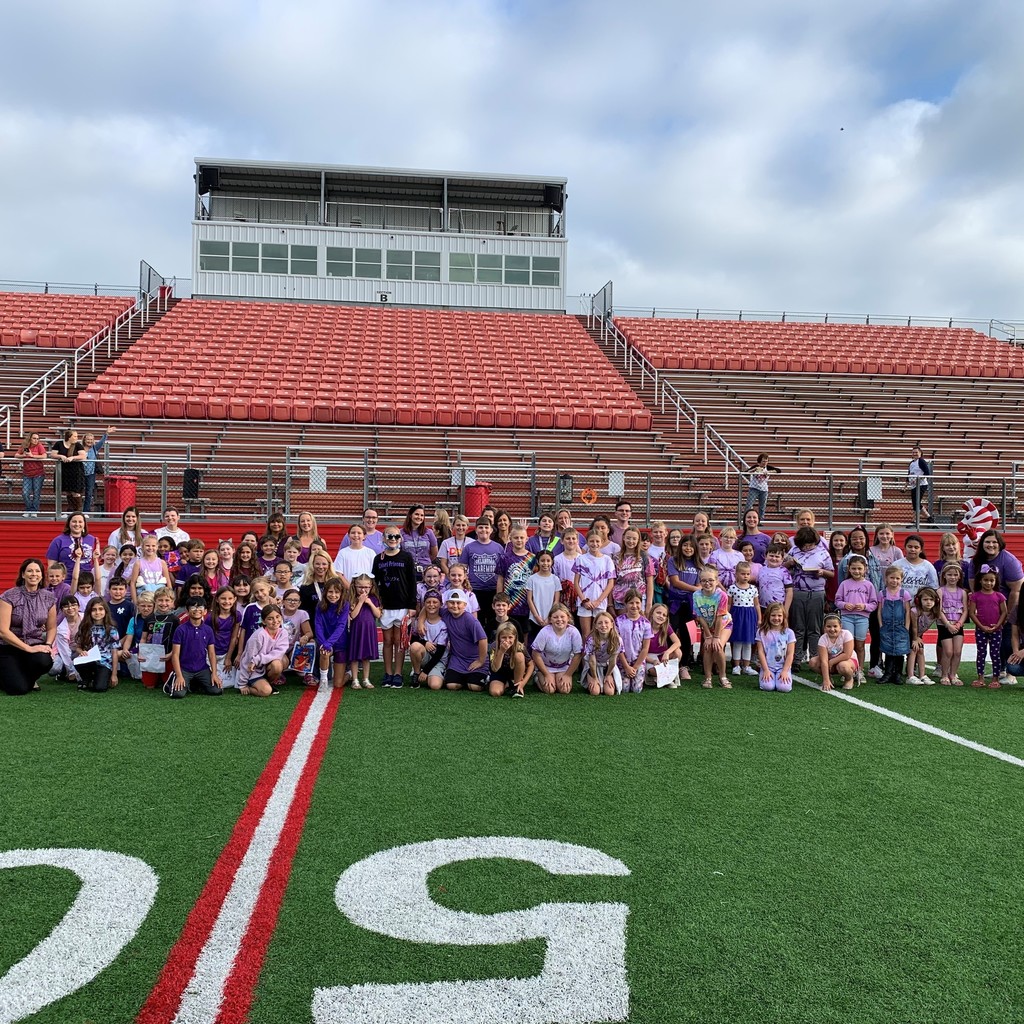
x=995, y=684
x=945, y=681
x=725, y=684
x=706, y=685
x=367, y=685
x=978, y=683
x=356, y=685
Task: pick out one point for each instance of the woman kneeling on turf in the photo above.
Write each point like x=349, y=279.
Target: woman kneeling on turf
x=557, y=650
x=265, y=655
x=835, y=654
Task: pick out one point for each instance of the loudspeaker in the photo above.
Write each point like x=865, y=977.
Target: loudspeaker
x=553, y=197
x=209, y=178
x=190, y=481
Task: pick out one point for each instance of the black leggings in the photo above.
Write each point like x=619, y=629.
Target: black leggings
x=679, y=619
x=20, y=670
x=95, y=676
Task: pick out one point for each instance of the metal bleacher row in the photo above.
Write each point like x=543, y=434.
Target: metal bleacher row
x=55, y=321
x=342, y=364
x=765, y=347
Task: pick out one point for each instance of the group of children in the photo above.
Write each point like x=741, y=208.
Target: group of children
x=494, y=615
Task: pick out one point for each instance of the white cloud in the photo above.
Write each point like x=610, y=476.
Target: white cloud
x=806, y=154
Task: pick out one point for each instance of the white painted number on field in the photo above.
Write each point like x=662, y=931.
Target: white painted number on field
x=116, y=894
x=584, y=975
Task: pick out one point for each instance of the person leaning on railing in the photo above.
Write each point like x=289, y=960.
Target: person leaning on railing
x=71, y=452
x=32, y=454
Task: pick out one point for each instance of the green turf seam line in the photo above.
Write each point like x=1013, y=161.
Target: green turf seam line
x=923, y=726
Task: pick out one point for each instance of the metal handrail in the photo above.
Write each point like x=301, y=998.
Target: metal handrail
x=5, y=422
x=39, y=387
x=67, y=288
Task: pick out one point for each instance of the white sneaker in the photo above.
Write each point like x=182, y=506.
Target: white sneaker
x=1007, y=680
x=914, y=681
x=860, y=679
x=750, y=671
x=927, y=681
x=737, y=670
x=674, y=685
x=26, y=515
x=877, y=672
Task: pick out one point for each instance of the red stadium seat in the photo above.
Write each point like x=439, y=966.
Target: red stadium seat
x=583, y=419
x=504, y=416
x=544, y=419
x=302, y=410
x=642, y=419
x=524, y=419
x=444, y=414
x=217, y=408
x=424, y=414
x=86, y=405
x=131, y=405
x=281, y=410
x=364, y=411
x=175, y=408
x=259, y=409
x=152, y=407
x=238, y=408
x=602, y=419
x=484, y=416
x=563, y=419
x=196, y=407
x=108, y=407
x=10, y=339
x=622, y=419
x=405, y=414
x=323, y=411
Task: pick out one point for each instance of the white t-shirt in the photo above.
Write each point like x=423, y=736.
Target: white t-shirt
x=452, y=549
x=545, y=590
x=353, y=562
x=176, y=535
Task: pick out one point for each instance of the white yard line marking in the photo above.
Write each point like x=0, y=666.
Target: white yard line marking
x=202, y=999
x=933, y=730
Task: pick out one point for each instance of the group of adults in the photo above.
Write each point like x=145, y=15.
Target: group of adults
x=78, y=458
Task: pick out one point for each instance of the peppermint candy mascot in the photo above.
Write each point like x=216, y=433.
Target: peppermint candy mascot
x=978, y=515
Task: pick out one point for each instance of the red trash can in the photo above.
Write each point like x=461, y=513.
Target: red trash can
x=476, y=497
x=120, y=492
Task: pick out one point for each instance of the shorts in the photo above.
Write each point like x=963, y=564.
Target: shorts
x=589, y=613
x=945, y=634
x=602, y=672
x=466, y=678
x=392, y=617
x=855, y=624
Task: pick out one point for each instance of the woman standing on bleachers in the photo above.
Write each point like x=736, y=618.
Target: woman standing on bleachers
x=28, y=627
x=32, y=453
x=70, y=452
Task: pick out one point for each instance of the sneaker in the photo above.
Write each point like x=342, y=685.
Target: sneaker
x=1007, y=680
x=914, y=681
x=26, y=515
x=750, y=671
x=927, y=681
x=877, y=672
x=414, y=680
x=860, y=679
x=518, y=693
x=674, y=685
x=736, y=670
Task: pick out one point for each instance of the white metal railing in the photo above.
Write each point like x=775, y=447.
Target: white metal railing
x=39, y=389
x=1006, y=329
x=384, y=216
x=66, y=288
x=5, y=424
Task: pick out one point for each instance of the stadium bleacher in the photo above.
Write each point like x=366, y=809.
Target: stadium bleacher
x=55, y=321
x=343, y=364
x=767, y=347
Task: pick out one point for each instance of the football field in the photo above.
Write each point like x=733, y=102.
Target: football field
x=406, y=855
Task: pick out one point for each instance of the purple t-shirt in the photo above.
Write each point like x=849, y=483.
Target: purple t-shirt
x=222, y=630
x=816, y=558
x=194, y=641
x=464, y=636
x=772, y=581
x=374, y=541
x=62, y=547
x=419, y=545
x=760, y=542
x=1005, y=565
x=536, y=544
x=482, y=562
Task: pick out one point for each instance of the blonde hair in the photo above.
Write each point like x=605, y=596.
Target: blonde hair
x=614, y=640
x=766, y=616
x=662, y=631
x=955, y=539
x=163, y=592
x=497, y=655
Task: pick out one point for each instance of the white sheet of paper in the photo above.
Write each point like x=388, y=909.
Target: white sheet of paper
x=91, y=655
x=667, y=673
x=151, y=657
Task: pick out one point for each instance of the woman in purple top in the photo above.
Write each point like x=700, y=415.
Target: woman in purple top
x=752, y=533
x=28, y=627
x=75, y=535
x=992, y=554
x=420, y=542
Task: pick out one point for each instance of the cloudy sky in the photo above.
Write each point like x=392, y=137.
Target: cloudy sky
x=798, y=154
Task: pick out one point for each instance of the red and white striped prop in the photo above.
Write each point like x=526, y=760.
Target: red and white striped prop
x=979, y=515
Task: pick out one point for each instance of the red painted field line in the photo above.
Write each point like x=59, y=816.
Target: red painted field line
x=241, y=984
x=163, y=1001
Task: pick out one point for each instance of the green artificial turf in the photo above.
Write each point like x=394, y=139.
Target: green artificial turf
x=792, y=857
x=131, y=772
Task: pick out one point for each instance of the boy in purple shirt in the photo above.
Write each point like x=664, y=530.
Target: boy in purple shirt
x=193, y=657
x=467, y=646
x=481, y=558
x=774, y=583
x=811, y=565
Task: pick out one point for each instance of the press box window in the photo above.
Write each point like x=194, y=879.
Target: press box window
x=488, y=269
x=214, y=256
x=303, y=259
x=275, y=258
x=399, y=265
x=517, y=270
x=427, y=266
x=245, y=257
x=461, y=267
x=339, y=261
x=546, y=270
x=367, y=262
